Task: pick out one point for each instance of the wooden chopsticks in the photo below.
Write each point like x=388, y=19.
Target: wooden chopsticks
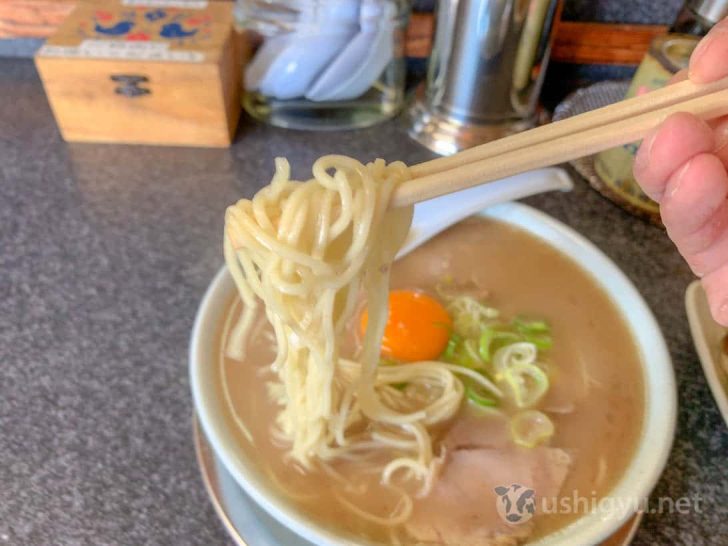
x=562, y=141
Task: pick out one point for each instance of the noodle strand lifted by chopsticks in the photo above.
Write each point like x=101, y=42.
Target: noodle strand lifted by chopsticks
x=308, y=250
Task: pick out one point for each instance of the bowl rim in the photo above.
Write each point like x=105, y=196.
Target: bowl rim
x=658, y=428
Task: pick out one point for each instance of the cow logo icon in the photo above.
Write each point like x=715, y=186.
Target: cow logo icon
x=515, y=504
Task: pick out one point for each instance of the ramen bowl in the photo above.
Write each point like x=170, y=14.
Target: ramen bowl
x=632, y=488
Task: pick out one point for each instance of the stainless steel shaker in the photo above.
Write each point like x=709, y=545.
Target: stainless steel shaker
x=485, y=72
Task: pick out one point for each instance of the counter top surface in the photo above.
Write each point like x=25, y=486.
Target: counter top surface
x=105, y=252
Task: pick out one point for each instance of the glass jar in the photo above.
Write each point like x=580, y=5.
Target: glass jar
x=323, y=64
x=667, y=55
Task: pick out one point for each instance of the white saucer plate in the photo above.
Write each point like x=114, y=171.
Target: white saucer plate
x=708, y=338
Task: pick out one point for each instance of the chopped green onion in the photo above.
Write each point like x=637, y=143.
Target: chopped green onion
x=479, y=399
x=503, y=339
x=452, y=347
x=462, y=352
x=531, y=326
x=543, y=341
x=491, y=340
x=470, y=316
x=486, y=338
x=531, y=428
x=528, y=383
x=506, y=351
x=470, y=357
x=514, y=353
x=537, y=332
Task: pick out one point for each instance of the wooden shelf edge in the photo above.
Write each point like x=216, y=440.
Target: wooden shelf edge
x=574, y=42
x=602, y=43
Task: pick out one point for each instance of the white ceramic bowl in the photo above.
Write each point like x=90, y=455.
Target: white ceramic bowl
x=640, y=476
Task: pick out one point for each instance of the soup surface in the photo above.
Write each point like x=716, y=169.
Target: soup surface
x=595, y=400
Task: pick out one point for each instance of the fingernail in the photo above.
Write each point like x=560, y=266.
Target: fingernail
x=676, y=182
x=645, y=151
x=700, y=49
x=721, y=137
x=698, y=52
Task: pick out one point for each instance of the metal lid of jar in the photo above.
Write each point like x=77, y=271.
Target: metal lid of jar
x=711, y=10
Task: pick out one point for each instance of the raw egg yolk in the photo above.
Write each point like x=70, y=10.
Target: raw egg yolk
x=418, y=327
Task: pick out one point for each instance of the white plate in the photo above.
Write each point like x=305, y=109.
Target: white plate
x=708, y=336
x=639, y=477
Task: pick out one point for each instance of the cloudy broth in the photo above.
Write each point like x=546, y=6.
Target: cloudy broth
x=596, y=401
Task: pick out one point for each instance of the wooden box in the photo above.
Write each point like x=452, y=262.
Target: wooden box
x=150, y=72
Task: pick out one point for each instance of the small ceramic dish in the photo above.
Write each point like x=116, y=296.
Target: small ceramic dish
x=708, y=337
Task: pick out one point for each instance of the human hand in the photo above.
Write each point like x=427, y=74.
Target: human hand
x=682, y=165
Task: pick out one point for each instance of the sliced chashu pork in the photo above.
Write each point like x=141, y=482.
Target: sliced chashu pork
x=461, y=508
x=471, y=430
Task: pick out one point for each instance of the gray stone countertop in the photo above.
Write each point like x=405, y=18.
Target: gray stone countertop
x=105, y=252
